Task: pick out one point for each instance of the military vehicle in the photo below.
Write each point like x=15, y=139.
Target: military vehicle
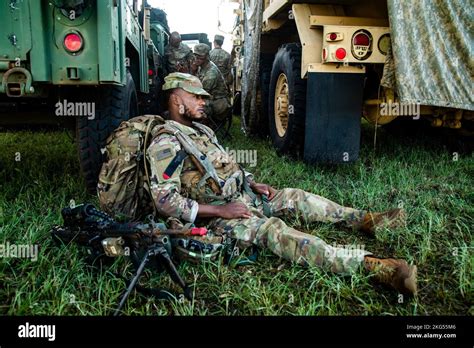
x=192, y=39
x=318, y=66
x=89, y=64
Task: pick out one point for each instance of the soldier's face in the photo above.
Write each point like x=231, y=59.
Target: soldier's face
x=199, y=60
x=193, y=105
x=175, y=41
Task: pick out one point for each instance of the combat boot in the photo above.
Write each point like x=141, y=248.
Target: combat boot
x=394, y=272
x=389, y=219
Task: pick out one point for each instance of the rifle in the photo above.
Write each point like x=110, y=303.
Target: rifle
x=143, y=242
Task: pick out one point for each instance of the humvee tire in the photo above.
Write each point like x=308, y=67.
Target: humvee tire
x=287, y=106
x=114, y=104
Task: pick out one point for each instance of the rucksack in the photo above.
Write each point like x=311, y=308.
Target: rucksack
x=124, y=184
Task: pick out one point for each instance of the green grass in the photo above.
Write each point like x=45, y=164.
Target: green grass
x=415, y=170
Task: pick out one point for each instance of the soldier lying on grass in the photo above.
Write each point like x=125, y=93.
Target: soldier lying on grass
x=253, y=213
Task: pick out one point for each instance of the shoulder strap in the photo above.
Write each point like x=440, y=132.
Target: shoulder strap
x=151, y=124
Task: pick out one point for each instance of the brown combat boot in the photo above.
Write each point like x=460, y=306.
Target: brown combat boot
x=389, y=219
x=394, y=272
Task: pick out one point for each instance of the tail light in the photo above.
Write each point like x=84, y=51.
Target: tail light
x=73, y=42
x=331, y=37
x=150, y=72
x=341, y=53
x=325, y=54
x=361, y=44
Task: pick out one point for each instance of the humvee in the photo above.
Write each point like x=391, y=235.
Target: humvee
x=87, y=64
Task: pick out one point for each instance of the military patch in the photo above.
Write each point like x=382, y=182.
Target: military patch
x=179, y=158
x=164, y=154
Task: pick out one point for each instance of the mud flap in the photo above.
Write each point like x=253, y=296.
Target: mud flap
x=333, y=116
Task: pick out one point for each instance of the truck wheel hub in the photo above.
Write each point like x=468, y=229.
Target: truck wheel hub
x=281, y=105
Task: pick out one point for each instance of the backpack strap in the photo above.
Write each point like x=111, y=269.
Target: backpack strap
x=149, y=127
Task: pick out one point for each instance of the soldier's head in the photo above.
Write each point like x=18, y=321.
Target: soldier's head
x=201, y=54
x=218, y=41
x=186, y=97
x=175, y=39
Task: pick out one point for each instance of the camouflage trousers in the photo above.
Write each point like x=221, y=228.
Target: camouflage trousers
x=289, y=243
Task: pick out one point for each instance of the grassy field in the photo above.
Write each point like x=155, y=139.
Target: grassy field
x=426, y=172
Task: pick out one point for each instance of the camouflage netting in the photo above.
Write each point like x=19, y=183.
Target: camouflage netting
x=432, y=42
x=253, y=25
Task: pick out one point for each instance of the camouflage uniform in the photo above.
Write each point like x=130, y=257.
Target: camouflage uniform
x=213, y=82
x=223, y=60
x=179, y=196
x=178, y=59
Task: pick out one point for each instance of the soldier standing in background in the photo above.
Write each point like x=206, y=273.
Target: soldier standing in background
x=222, y=59
x=218, y=106
x=233, y=203
x=178, y=56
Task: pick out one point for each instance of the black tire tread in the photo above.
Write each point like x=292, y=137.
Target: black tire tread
x=92, y=134
x=293, y=142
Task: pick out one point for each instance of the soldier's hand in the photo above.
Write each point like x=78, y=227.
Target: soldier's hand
x=194, y=68
x=264, y=189
x=234, y=211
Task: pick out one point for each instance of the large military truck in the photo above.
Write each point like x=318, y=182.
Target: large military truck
x=88, y=64
x=309, y=70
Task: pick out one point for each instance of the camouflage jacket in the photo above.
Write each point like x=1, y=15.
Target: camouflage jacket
x=179, y=194
x=222, y=59
x=178, y=59
x=213, y=81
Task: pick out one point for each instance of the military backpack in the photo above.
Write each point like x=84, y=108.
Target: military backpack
x=124, y=184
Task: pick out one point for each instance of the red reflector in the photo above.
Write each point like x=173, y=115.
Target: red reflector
x=361, y=40
x=150, y=72
x=332, y=36
x=340, y=53
x=73, y=42
x=198, y=231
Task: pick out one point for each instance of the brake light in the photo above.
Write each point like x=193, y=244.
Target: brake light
x=150, y=72
x=341, y=53
x=361, y=39
x=331, y=37
x=362, y=44
x=73, y=42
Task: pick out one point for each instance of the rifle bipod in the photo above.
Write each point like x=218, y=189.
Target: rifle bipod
x=159, y=251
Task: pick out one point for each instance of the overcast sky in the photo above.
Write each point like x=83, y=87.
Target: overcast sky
x=199, y=16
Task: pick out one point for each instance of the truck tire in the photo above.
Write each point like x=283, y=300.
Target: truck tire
x=287, y=101
x=114, y=104
x=263, y=91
